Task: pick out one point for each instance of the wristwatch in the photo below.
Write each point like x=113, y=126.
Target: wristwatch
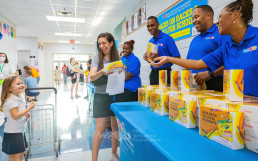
x=211, y=74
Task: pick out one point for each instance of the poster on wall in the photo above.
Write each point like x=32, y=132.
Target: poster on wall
x=135, y=21
x=177, y=21
x=8, y=29
x=143, y=14
x=139, y=18
x=132, y=23
x=129, y=26
x=124, y=31
x=14, y=33
x=1, y=26
x=4, y=28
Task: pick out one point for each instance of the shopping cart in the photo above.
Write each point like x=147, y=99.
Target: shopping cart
x=42, y=129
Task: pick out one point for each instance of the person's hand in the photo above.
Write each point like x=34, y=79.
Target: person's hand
x=201, y=77
x=106, y=73
x=153, y=55
x=162, y=60
x=31, y=106
x=146, y=57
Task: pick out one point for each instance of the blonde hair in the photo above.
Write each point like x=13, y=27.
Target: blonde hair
x=6, y=89
x=76, y=63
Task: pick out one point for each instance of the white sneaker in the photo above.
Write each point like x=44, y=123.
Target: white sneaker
x=115, y=157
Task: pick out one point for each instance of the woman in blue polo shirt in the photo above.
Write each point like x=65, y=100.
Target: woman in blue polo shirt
x=132, y=74
x=239, y=53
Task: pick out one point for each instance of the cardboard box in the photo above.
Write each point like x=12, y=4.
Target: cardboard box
x=159, y=103
x=174, y=80
x=151, y=48
x=251, y=128
x=114, y=66
x=162, y=78
x=186, y=80
x=233, y=84
x=223, y=126
x=251, y=143
x=182, y=112
x=196, y=86
x=144, y=95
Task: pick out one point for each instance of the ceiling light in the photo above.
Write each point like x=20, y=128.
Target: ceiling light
x=62, y=41
x=65, y=19
x=67, y=34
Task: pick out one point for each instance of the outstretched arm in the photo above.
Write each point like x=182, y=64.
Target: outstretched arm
x=185, y=63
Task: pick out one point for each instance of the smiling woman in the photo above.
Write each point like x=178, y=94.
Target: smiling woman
x=107, y=52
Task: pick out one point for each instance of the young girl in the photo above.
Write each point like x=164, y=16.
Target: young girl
x=13, y=106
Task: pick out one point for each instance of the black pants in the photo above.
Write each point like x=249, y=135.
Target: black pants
x=127, y=96
x=215, y=84
x=154, y=76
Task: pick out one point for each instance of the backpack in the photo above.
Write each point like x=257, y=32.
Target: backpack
x=68, y=73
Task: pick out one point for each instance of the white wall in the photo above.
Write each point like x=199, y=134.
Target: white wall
x=46, y=59
x=8, y=45
x=154, y=7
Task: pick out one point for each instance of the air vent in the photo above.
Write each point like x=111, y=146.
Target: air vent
x=65, y=14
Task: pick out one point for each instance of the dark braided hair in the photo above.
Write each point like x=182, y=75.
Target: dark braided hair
x=245, y=7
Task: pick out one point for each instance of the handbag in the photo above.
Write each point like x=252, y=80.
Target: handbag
x=101, y=81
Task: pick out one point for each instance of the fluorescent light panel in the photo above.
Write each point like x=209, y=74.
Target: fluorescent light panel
x=62, y=41
x=67, y=34
x=65, y=19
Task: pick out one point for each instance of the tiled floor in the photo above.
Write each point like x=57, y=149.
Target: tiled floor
x=75, y=127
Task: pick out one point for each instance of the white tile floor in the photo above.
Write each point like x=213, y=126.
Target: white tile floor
x=104, y=155
x=75, y=127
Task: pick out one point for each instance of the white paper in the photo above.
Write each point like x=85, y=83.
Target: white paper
x=116, y=83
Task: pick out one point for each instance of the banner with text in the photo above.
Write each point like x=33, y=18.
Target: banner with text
x=177, y=21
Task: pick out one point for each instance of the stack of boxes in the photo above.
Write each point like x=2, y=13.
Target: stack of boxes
x=227, y=118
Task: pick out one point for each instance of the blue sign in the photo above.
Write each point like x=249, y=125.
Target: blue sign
x=177, y=21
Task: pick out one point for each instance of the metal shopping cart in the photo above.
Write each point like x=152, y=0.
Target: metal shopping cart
x=42, y=129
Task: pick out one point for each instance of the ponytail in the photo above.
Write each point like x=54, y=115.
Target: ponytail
x=245, y=7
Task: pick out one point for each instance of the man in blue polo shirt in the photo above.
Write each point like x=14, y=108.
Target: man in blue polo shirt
x=166, y=47
x=205, y=43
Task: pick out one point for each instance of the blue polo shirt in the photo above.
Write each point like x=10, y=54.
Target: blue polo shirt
x=133, y=66
x=240, y=56
x=204, y=44
x=166, y=47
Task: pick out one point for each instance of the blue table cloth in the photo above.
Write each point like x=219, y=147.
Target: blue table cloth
x=148, y=136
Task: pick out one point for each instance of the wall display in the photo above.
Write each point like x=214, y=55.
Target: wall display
x=129, y=25
x=4, y=26
x=14, y=33
x=8, y=29
x=139, y=21
x=132, y=23
x=177, y=21
x=1, y=26
x=143, y=13
x=135, y=21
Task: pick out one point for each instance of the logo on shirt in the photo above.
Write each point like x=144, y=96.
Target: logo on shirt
x=160, y=44
x=250, y=49
x=210, y=38
x=165, y=16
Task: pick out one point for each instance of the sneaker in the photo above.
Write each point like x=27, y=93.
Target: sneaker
x=72, y=97
x=77, y=96
x=115, y=157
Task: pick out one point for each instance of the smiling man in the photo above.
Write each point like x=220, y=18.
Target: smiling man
x=205, y=43
x=166, y=47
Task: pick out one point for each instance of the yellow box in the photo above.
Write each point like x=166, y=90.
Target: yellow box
x=196, y=86
x=174, y=80
x=159, y=103
x=233, y=84
x=114, y=66
x=151, y=48
x=182, y=112
x=223, y=126
x=162, y=78
x=251, y=143
x=186, y=80
x=144, y=95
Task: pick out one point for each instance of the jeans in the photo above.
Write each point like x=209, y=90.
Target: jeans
x=3, y=156
x=65, y=79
